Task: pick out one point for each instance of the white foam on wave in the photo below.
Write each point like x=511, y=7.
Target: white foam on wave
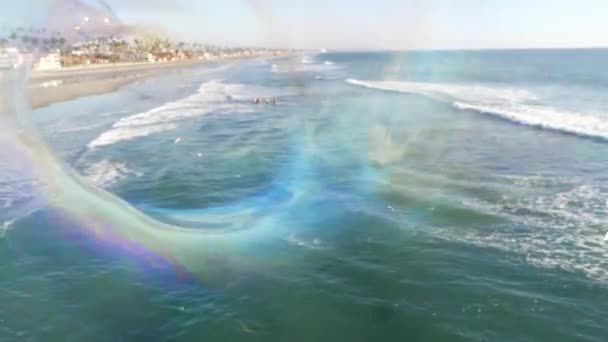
x=10, y=195
x=6, y=226
x=106, y=173
x=18, y=196
x=516, y=105
x=315, y=244
x=547, y=117
x=306, y=64
x=564, y=229
x=303, y=68
x=128, y=133
x=457, y=91
x=213, y=96
x=16, y=185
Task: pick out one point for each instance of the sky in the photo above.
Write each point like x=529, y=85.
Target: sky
x=365, y=24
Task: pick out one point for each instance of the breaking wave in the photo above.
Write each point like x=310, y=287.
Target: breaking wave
x=516, y=105
x=106, y=173
x=212, y=97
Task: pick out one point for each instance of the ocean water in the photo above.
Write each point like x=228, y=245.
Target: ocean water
x=422, y=196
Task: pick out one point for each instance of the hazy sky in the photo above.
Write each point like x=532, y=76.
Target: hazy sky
x=371, y=24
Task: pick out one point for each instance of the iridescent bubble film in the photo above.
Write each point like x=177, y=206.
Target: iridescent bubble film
x=302, y=171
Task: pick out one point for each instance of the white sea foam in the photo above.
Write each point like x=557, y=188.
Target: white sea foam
x=516, y=105
x=547, y=117
x=302, y=68
x=306, y=64
x=213, y=96
x=564, y=230
x=127, y=133
x=315, y=243
x=6, y=226
x=473, y=93
x=18, y=197
x=16, y=186
x=106, y=173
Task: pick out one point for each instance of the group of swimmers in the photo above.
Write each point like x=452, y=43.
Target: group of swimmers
x=267, y=100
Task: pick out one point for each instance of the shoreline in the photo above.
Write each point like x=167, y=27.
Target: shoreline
x=53, y=86
x=99, y=69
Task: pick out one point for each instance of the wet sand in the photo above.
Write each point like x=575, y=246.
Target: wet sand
x=48, y=87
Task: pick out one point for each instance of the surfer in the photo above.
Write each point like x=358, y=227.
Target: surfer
x=266, y=100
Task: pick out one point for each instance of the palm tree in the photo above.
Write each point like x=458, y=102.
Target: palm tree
x=13, y=36
x=166, y=44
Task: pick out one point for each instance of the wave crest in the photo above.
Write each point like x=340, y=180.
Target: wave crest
x=212, y=96
x=516, y=105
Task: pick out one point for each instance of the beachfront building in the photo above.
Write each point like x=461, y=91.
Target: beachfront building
x=73, y=58
x=167, y=56
x=206, y=56
x=50, y=61
x=9, y=58
x=112, y=49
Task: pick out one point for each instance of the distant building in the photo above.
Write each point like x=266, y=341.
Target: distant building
x=10, y=58
x=73, y=59
x=50, y=61
x=161, y=57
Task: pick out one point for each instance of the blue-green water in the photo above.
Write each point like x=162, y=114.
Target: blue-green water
x=428, y=196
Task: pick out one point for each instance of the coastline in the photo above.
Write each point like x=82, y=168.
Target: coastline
x=52, y=86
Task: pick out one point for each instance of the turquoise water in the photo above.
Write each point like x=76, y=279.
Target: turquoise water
x=427, y=196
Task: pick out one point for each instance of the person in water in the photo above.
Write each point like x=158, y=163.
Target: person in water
x=266, y=100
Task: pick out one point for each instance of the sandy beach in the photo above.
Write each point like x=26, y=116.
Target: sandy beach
x=51, y=86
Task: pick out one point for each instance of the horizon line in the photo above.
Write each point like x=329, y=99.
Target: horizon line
x=457, y=49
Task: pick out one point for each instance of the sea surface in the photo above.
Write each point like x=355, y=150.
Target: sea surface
x=421, y=196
